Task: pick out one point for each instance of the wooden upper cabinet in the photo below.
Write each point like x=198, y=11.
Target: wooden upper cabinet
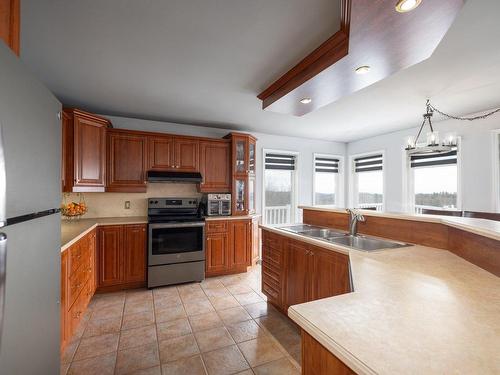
x=215, y=166
x=127, y=161
x=10, y=23
x=161, y=154
x=171, y=153
x=84, y=145
x=134, y=253
x=110, y=255
x=186, y=154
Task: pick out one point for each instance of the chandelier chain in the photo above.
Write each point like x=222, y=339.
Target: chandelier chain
x=480, y=117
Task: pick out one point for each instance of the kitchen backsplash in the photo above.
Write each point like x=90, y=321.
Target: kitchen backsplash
x=113, y=204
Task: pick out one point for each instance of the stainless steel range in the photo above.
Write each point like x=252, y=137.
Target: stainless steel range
x=176, y=241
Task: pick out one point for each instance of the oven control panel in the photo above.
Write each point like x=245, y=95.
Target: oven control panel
x=173, y=202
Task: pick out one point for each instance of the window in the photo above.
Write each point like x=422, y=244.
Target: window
x=368, y=182
x=327, y=188
x=496, y=169
x=434, y=181
x=280, y=187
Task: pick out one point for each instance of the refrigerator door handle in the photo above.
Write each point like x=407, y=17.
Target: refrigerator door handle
x=3, y=267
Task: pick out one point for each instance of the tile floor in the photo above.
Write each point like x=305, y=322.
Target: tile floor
x=221, y=326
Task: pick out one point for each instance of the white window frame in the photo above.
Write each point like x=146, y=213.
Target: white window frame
x=353, y=188
x=294, y=215
x=495, y=144
x=339, y=191
x=409, y=183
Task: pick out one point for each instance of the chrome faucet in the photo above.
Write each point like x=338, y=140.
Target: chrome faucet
x=354, y=217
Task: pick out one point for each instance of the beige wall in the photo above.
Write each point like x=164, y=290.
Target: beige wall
x=113, y=204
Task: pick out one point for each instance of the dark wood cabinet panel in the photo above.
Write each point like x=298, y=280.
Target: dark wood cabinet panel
x=298, y=281
x=317, y=360
x=215, y=157
x=134, y=253
x=10, y=25
x=240, y=250
x=161, y=153
x=217, y=256
x=126, y=162
x=331, y=273
x=90, y=152
x=110, y=255
x=186, y=154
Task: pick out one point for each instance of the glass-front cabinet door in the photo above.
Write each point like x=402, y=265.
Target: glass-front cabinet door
x=251, y=195
x=251, y=156
x=240, y=206
x=240, y=155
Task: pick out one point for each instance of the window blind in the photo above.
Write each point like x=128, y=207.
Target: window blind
x=280, y=161
x=368, y=163
x=430, y=160
x=325, y=164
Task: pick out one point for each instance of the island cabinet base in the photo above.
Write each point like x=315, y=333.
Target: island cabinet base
x=317, y=360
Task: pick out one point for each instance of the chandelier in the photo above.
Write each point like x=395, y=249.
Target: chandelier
x=432, y=145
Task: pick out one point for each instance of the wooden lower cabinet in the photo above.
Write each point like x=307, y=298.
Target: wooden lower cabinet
x=317, y=360
x=122, y=257
x=78, y=283
x=295, y=272
x=229, y=246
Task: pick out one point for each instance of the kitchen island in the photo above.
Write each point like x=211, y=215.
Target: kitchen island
x=417, y=309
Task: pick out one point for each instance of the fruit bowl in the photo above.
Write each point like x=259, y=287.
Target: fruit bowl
x=73, y=209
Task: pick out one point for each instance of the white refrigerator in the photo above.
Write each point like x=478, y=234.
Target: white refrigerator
x=30, y=187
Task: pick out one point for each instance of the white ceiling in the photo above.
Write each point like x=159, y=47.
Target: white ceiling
x=203, y=62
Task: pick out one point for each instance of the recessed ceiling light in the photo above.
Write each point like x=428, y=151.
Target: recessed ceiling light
x=362, y=69
x=306, y=100
x=403, y=6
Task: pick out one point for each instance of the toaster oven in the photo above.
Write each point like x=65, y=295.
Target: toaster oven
x=219, y=204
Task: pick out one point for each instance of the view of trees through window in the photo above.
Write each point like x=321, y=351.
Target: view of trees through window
x=370, y=188
x=436, y=186
x=324, y=188
x=278, y=187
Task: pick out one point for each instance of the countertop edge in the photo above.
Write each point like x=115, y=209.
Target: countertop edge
x=495, y=235
x=331, y=345
x=78, y=237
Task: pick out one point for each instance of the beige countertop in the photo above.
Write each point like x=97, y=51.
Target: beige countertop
x=73, y=230
x=483, y=227
x=213, y=218
x=414, y=310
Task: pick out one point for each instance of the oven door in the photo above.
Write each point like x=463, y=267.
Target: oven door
x=176, y=243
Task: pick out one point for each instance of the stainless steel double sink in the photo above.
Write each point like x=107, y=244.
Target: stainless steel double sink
x=334, y=236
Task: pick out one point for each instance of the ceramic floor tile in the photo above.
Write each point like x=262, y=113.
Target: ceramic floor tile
x=70, y=351
x=214, y=338
x=222, y=303
x=165, y=291
x=96, y=345
x=258, y=309
x=137, y=307
x=167, y=301
x=249, y=372
x=138, y=358
x=281, y=366
x=274, y=322
x=239, y=288
x=165, y=314
x=97, y=327
x=191, y=366
x=225, y=361
x=217, y=292
x=137, y=337
x=288, y=337
x=141, y=319
x=107, y=312
x=198, y=307
x=156, y=370
x=211, y=283
x=102, y=365
x=234, y=315
x=136, y=295
x=173, y=328
x=260, y=351
x=194, y=297
x=177, y=348
x=248, y=298
x=205, y=321
x=100, y=301
x=244, y=331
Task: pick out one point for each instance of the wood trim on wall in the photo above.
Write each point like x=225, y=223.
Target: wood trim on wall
x=10, y=21
x=479, y=250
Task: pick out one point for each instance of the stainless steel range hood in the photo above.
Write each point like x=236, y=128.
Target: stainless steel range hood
x=186, y=177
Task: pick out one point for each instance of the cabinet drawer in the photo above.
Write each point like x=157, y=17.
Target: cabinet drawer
x=77, y=282
x=271, y=272
x=272, y=256
x=216, y=226
x=271, y=292
x=272, y=241
x=75, y=257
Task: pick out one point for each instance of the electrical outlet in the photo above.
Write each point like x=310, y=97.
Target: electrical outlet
x=127, y=205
